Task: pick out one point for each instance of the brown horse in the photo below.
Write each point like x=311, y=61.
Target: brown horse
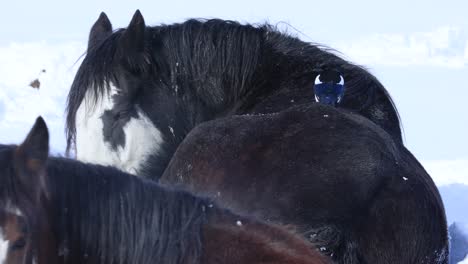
x=56, y=210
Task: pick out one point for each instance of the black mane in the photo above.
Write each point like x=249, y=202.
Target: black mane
x=227, y=67
x=128, y=219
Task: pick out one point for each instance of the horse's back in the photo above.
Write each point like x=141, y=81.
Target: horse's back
x=337, y=176
x=298, y=154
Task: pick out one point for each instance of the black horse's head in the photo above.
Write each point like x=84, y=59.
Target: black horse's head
x=108, y=103
x=140, y=90
x=22, y=174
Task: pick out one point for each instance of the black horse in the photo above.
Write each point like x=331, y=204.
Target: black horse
x=342, y=180
x=341, y=175
x=149, y=86
x=54, y=210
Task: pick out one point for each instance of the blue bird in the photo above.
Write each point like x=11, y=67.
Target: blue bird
x=329, y=87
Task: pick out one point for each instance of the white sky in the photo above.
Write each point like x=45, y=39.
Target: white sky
x=418, y=49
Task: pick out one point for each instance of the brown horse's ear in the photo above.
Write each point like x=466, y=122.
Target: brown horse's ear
x=132, y=40
x=101, y=29
x=31, y=156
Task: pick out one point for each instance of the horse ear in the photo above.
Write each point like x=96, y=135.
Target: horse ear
x=101, y=29
x=132, y=40
x=31, y=156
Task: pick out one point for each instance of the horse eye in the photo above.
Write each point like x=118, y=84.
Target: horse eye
x=18, y=244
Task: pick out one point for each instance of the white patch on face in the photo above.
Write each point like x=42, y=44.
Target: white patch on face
x=4, y=244
x=142, y=138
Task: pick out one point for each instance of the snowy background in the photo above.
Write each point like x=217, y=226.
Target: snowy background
x=418, y=49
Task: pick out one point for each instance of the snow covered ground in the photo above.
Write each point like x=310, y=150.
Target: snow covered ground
x=20, y=104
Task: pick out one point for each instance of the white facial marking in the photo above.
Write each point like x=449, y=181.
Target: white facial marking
x=4, y=244
x=317, y=80
x=142, y=138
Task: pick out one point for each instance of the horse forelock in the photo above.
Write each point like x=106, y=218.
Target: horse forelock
x=93, y=78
